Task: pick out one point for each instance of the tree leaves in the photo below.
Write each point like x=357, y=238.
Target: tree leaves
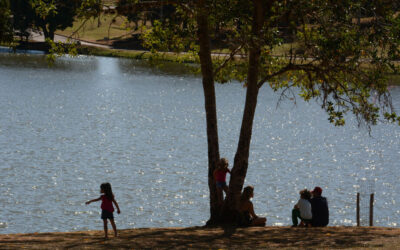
x=336, y=52
x=5, y=22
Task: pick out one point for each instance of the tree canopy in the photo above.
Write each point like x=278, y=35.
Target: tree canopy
x=5, y=21
x=329, y=50
x=50, y=15
x=339, y=53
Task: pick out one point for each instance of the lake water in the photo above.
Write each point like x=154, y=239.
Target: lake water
x=64, y=130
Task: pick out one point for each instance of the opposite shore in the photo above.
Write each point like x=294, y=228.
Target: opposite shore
x=212, y=238
x=93, y=49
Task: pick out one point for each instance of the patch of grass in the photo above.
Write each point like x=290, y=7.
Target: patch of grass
x=276, y=51
x=134, y=54
x=394, y=80
x=8, y=44
x=284, y=49
x=102, y=29
x=110, y=2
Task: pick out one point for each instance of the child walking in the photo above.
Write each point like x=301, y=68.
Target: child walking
x=220, y=178
x=107, y=208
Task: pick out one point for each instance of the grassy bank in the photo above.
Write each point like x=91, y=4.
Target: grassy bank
x=104, y=29
x=212, y=238
x=136, y=54
x=394, y=80
x=186, y=58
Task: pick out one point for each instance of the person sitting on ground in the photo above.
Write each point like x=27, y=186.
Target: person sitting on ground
x=246, y=210
x=302, y=209
x=319, y=209
x=220, y=178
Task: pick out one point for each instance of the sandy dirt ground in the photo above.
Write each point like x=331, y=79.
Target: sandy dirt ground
x=212, y=238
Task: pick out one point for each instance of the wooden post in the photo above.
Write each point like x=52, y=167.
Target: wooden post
x=358, y=209
x=371, y=210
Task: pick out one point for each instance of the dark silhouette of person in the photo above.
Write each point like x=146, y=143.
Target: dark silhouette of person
x=319, y=209
x=247, y=216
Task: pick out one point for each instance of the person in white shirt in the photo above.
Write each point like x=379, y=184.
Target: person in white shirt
x=302, y=209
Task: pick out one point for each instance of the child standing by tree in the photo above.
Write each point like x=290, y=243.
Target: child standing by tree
x=107, y=209
x=220, y=178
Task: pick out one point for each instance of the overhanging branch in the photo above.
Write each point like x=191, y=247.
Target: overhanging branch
x=228, y=59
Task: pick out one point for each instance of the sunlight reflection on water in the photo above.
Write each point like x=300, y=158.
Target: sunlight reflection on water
x=88, y=120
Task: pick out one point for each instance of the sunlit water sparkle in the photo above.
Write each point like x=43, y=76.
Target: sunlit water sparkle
x=64, y=130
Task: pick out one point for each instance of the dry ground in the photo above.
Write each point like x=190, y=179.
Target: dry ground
x=212, y=238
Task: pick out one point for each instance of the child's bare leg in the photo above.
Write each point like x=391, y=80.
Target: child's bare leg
x=105, y=228
x=114, y=227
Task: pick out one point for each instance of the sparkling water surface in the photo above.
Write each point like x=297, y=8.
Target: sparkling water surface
x=64, y=130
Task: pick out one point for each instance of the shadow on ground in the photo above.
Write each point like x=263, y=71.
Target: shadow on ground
x=211, y=238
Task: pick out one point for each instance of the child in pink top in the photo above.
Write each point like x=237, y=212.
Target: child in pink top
x=220, y=178
x=107, y=208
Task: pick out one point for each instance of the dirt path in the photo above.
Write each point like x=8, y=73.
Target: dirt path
x=38, y=37
x=212, y=238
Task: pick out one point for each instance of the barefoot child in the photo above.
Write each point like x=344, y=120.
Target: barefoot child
x=107, y=209
x=220, y=178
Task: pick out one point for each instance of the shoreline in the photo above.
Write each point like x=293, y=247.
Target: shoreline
x=211, y=238
x=184, y=58
x=91, y=50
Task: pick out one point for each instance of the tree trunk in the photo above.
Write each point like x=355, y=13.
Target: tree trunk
x=48, y=32
x=240, y=166
x=51, y=35
x=45, y=31
x=210, y=107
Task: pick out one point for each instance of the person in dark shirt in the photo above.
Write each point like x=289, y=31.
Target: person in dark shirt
x=319, y=209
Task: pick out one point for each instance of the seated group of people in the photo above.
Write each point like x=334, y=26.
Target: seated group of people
x=312, y=208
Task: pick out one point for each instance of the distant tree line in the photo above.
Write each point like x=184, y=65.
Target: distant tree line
x=19, y=17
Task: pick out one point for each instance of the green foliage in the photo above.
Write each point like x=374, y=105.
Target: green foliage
x=5, y=24
x=392, y=117
x=159, y=38
x=44, y=9
x=172, y=34
x=59, y=49
x=345, y=60
x=89, y=9
x=23, y=17
x=337, y=52
x=144, y=13
x=51, y=15
x=339, y=59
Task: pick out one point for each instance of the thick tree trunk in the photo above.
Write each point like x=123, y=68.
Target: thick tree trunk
x=48, y=32
x=240, y=166
x=210, y=107
x=51, y=35
x=45, y=31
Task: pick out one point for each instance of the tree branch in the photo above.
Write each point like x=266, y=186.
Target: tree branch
x=77, y=30
x=281, y=71
x=230, y=57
